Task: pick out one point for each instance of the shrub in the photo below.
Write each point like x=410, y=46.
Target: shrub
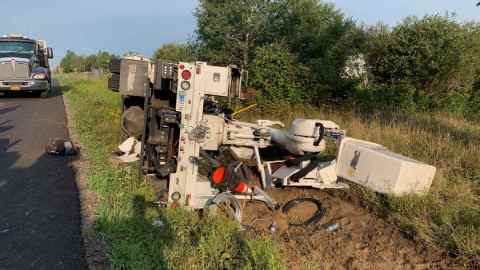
x=276, y=73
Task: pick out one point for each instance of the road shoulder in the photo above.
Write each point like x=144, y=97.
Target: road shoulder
x=95, y=253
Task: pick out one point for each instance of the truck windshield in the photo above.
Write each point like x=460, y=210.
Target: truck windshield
x=16, y=49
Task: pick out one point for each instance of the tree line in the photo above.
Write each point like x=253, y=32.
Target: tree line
x=73, y=62
x=309, y=52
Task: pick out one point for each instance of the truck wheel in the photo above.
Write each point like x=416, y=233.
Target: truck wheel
x=46, y=93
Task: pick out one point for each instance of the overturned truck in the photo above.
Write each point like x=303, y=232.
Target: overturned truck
x=181, y=132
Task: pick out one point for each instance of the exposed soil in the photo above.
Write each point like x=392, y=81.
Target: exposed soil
x=362, y=240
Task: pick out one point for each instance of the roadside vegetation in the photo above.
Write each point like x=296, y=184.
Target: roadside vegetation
x=73, y=62
x=414, y=87
x=184, y=241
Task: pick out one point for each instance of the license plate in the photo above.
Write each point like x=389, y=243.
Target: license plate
x=15, y=87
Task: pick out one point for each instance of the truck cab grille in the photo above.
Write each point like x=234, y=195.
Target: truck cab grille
x=17, y=71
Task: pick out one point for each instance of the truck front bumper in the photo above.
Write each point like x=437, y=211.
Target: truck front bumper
x=26, y=85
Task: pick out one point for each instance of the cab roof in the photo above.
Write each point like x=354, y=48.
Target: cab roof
x=17, y=39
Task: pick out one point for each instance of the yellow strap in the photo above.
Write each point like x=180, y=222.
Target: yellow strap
x=244, y=109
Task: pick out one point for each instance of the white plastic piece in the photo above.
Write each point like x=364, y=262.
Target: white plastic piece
x=375, y=167
x=131, y=149
x=127, y=145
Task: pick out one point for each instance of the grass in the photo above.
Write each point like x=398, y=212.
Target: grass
x=186, y=241
x=449, y=216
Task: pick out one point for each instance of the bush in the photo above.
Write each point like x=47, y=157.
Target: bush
x=276, y=73
x=435, y=56
x=175, y=52
x=393, y=99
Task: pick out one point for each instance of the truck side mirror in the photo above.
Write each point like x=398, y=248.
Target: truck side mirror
x=50, y=53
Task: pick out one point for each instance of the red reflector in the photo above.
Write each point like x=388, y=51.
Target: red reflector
x=181, y=66
x=186, y=75
x=218, y=176
x=241, y=188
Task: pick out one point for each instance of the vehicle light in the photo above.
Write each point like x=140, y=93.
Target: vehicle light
x=241, y=188
x=176, y=196
x=218, y=176
x=39, y=76
x=185, y=85
x=186, y=75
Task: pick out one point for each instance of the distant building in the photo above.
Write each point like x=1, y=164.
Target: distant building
x=356, y=68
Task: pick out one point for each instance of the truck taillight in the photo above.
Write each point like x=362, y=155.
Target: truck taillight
x=186, y=75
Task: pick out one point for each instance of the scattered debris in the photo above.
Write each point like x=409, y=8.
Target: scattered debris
x=61, y=147
x=273, y=227
x=128, y=152
x=158, y=223
x=333, y=227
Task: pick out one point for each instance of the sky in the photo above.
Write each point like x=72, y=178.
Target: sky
x=118, y=26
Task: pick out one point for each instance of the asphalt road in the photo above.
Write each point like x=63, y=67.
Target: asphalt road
x=39, y=202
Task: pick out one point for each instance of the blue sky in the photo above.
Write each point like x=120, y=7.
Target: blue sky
x=87, y=26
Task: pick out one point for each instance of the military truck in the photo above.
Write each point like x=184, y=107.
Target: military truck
x=24, y=65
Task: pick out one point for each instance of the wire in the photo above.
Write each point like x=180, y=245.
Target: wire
x=315, y=218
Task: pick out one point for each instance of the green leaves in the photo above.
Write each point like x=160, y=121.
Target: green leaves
x=175, y=52
x=73, y=62
x=276, y=73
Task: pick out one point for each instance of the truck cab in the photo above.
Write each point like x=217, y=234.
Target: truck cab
x=24, y=65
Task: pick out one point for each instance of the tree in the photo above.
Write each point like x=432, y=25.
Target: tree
x=90, y=62
x=175, y=52
x=68, y=62
x=278, y=75
x=229, y=31
x=103, y=61
x=323, y=39
x=426, y=54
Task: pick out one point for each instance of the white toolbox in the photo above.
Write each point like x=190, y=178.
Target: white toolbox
x=375, y=167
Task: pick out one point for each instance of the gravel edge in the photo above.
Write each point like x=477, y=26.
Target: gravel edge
x=95, y=248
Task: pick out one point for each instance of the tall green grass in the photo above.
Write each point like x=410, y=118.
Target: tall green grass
x=186, y=241
x=449, y=216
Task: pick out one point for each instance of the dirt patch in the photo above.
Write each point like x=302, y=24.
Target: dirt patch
x=95, y=254
x=347, y=237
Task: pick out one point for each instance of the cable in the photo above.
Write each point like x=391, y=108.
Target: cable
x=226, y=197
x=315, y=218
